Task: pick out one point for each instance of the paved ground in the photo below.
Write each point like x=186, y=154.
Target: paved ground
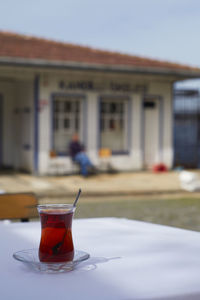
x=143, y=196
x=136, y=183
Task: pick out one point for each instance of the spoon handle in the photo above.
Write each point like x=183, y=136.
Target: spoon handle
x=77, y=197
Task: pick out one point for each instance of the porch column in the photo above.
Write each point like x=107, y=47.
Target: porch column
x=92, y=126
x=36, y=123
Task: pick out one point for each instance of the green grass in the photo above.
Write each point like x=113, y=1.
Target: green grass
x=182, y=212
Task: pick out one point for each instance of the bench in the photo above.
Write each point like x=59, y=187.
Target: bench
x=18, y=206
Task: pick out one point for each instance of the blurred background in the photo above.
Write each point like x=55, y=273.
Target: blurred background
x=104, y=96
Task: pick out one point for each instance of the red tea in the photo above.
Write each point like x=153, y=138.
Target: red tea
x=56, y=244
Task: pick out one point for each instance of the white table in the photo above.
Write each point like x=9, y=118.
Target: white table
x=129, y=260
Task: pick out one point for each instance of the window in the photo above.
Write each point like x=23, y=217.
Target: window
x=114, y=123
x=66, y=121
x=149, y=104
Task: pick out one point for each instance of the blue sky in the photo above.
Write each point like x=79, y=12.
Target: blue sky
x=162, y=29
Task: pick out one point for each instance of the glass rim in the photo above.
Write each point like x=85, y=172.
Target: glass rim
x=46, y=207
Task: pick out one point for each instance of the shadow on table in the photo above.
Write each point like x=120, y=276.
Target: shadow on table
x=92, y=262
x=85, y=266
x=180, y=297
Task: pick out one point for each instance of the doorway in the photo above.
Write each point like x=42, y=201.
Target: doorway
x=152, y=131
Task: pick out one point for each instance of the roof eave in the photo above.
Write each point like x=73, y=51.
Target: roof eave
x=23, y=62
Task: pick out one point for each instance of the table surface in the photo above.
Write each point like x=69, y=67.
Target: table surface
x=129, y=260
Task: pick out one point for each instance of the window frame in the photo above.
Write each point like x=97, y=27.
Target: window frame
x=83, y=111
x=127, y=120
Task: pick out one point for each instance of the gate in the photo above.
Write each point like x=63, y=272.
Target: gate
x=187, y=128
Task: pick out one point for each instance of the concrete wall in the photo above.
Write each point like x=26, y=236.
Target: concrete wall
x=24, y=125
x=7, y=90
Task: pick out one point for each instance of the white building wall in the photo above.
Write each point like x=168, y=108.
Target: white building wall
x=165, y=91
x=92, y=127
x=133, y=160
x=44, y=130
x=136, y=149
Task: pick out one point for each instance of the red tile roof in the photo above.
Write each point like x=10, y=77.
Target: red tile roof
x=27, y=47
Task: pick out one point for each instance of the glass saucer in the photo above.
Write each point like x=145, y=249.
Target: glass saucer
x=30, y=258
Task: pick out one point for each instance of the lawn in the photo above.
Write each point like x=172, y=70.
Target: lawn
x=178, y=212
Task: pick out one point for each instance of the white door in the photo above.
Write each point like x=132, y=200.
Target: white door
x=151, y=132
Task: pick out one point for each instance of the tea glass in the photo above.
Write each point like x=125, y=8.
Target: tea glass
x=56, y=244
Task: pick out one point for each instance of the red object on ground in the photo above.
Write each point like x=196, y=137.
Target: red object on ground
x=159, y=168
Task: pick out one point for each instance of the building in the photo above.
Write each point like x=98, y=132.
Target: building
x=187, y=124
x=119, y=102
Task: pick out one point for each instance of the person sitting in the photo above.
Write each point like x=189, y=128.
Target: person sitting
x=76, y=150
